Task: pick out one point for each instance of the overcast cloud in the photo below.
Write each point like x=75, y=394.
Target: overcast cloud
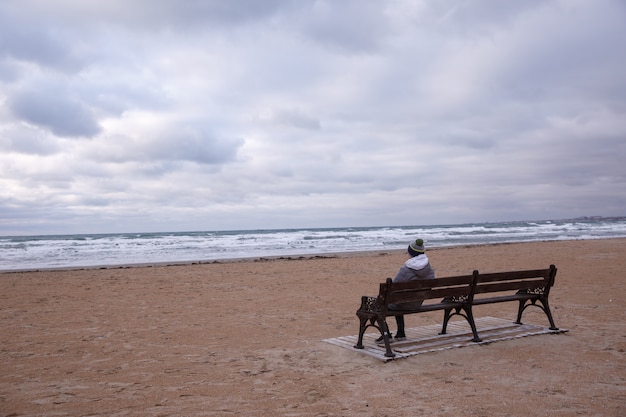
x=167, y=115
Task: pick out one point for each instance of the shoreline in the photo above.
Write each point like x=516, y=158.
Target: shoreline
x=320, y=255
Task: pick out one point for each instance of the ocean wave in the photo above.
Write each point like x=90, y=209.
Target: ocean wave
x=63, y=251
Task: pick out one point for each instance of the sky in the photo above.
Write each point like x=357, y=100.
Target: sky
x=168, y=115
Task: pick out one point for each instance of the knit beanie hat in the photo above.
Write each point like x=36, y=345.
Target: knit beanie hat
x=416, y=248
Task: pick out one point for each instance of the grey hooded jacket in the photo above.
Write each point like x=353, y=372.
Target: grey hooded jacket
x=418, y=267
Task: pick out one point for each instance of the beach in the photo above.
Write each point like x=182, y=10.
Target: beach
x=246, y=338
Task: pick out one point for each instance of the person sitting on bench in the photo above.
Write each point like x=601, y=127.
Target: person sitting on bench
x=416, y=267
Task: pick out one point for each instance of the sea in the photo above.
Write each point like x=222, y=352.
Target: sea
x=19, y=253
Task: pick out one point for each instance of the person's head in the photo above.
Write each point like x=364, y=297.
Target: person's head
x=416, y=248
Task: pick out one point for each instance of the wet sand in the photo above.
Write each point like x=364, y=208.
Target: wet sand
x=245, y=338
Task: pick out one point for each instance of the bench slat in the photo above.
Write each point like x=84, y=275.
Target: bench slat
x=436, y=293
x=514, y=275
x=426, y=289
x=430, y=283
x=424, y=308
x=482, y=288
x=492, y=300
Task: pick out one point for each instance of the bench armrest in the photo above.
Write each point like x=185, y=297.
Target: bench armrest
x=369, y=305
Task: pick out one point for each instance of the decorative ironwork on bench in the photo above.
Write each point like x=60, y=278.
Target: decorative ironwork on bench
x=533, y=291
x=369, y=305
x=456, y=299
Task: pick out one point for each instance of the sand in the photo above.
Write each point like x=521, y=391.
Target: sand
x=245, y=338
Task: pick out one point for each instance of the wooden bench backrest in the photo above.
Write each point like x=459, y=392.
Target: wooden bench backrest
x=426, y=289
x=515, y=280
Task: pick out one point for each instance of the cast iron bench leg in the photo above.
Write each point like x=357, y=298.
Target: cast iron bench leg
x=544, y=306
x=470, y=319
x=382, y=323
x=546, y=309
x=446, y=318
x=362, y=327
x=520, y=310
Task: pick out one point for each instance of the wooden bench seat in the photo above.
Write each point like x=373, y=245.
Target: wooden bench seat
x=456, y=296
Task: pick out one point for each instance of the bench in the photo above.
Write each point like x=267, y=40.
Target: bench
x=455, y=290
x=458, y=295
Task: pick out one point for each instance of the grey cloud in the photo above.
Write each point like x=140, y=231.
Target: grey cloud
x=161, y=149
x=576, y=57
x=28, y=141
x=9, y=71
x=476, y=139
x=152, y=14
x=111, y=98
x=193, y=143
x=293, y=118
x=56, y=111
x=349, y=26
x=478, y=16
x=70, y=36
x=31, y=41
x=218, y=12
